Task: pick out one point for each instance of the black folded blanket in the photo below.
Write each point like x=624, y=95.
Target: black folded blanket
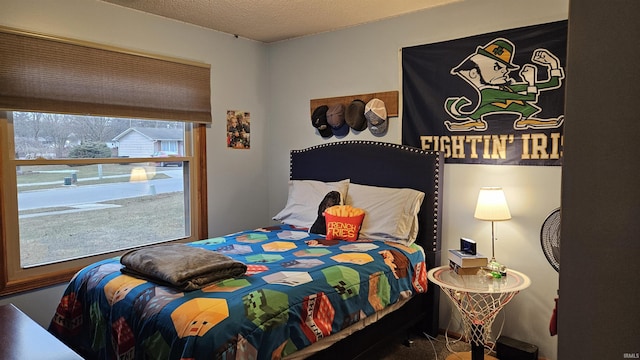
x=181, y=266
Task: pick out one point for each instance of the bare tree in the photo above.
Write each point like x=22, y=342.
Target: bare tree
x=98, y=129
x=28, y=124
x=58, y=130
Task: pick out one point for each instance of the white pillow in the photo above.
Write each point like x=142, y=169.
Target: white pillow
x=390, y=214
x=305, y=197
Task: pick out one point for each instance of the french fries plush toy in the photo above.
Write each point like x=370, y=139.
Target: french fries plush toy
x=343, y=222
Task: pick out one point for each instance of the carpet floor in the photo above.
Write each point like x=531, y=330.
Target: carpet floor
x=424, y=348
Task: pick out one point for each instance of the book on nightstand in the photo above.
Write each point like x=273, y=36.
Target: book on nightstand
x=471, y=270
x=464, y=259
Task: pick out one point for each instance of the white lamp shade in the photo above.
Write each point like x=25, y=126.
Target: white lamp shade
x=492, y=205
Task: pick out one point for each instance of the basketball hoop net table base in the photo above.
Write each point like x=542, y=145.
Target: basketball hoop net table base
x=479, y=299
x=478, y=311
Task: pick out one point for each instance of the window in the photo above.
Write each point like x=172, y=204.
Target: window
x=77, y=206
x=169, y=145
x=75, y=188
x=88, y=187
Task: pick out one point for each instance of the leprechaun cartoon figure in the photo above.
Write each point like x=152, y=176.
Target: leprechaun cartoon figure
x=487, y=70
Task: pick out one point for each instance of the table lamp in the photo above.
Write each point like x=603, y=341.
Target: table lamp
x=492, y=206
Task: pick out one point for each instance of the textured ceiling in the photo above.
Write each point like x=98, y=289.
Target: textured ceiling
x=275, y=20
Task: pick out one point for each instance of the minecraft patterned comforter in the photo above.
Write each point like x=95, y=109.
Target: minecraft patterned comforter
x=298, y=288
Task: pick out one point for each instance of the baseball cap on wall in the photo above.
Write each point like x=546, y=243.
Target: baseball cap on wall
x=376, y=113
x=319, y=121
x=355, y=115
x=335, y=118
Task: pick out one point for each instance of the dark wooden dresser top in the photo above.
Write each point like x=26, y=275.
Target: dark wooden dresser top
x=23, y=338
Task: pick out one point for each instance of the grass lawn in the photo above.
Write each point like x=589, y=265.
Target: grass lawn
x=60, y=233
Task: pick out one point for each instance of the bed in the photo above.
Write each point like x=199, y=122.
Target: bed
x=303, y=295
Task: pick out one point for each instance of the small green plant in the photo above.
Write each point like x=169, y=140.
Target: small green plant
x=90, y=150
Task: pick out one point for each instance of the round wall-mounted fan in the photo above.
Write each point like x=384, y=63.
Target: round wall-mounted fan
x=550, y=238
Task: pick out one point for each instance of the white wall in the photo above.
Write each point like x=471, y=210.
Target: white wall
x=366, y=59
x=275, y=83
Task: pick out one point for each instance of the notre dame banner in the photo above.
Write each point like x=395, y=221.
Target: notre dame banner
x=495, y=98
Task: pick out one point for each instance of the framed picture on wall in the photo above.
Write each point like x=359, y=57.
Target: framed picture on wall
x=238, y=129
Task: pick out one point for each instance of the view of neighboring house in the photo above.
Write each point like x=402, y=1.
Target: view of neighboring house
x=143, y=142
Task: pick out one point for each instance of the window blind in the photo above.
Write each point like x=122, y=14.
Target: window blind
x=45, y=74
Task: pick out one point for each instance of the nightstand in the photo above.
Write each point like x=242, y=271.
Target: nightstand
x=23, y=338
x=479, y=299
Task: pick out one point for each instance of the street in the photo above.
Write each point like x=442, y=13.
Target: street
x=64, y=196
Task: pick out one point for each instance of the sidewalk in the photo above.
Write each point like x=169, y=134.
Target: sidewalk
x=61, y=182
